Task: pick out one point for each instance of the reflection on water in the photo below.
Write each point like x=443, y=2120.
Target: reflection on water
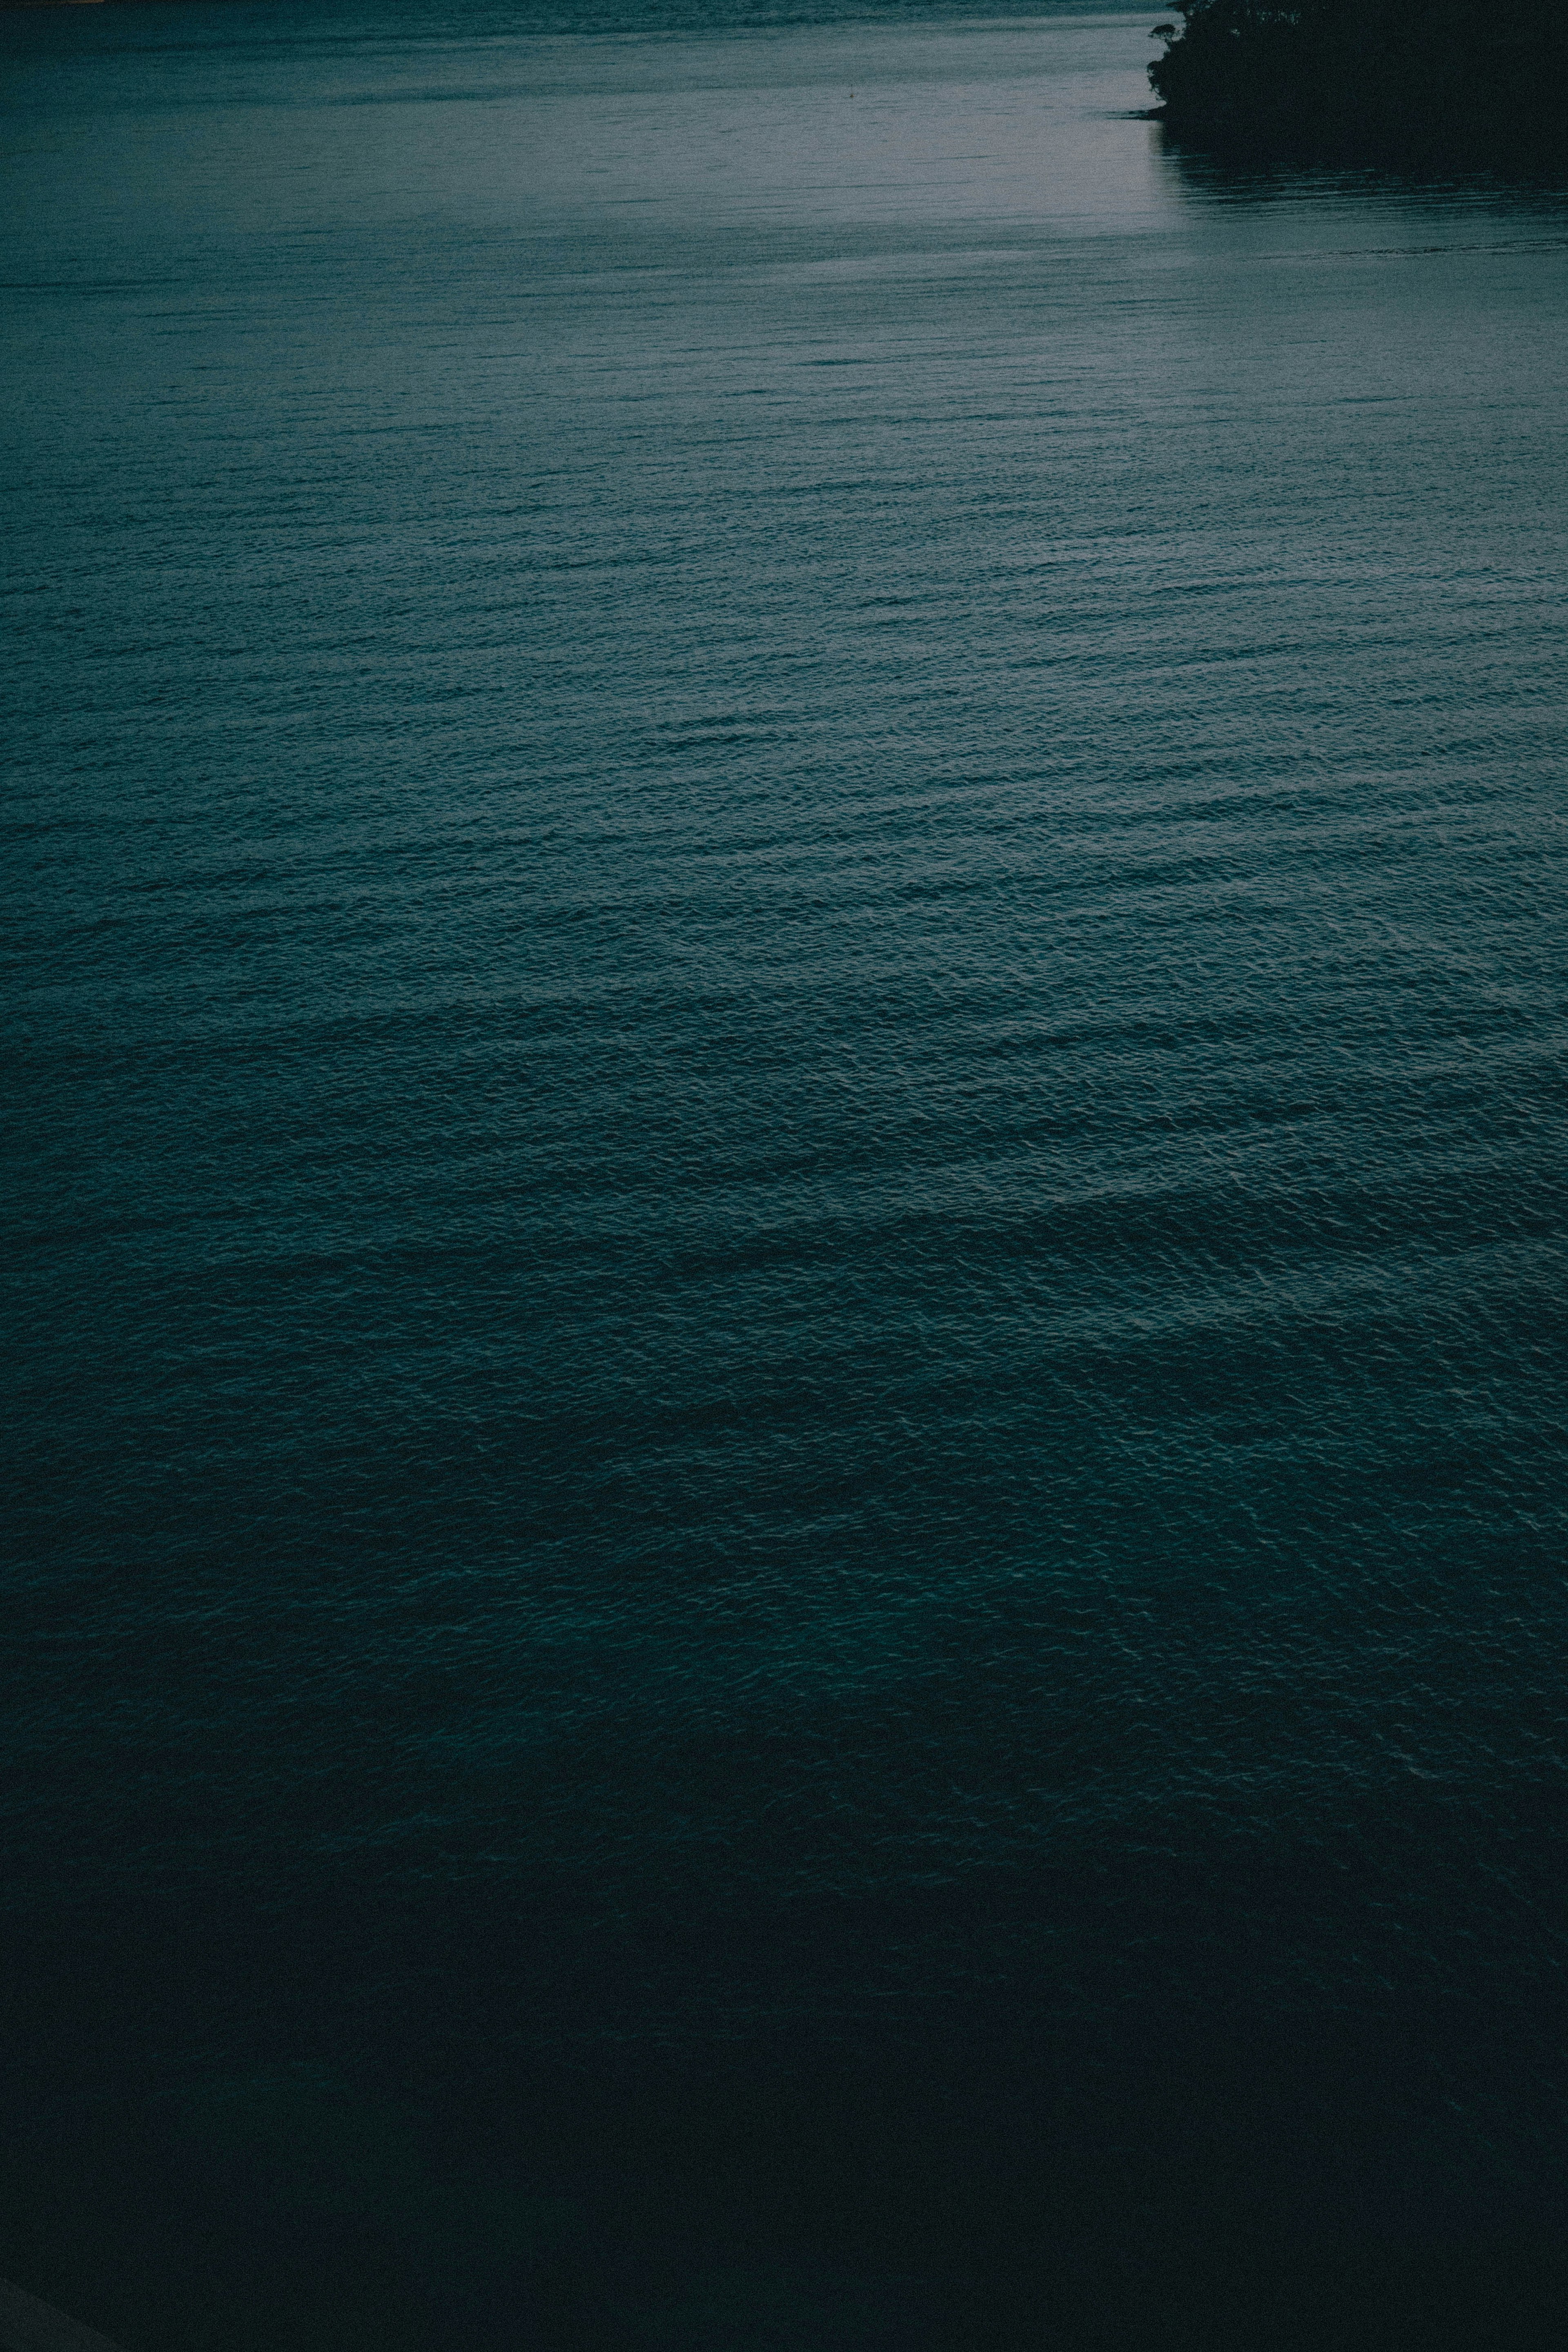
x=787, y=936
x=1213, y=177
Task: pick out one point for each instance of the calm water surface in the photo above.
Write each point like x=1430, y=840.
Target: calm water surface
x=787, y=983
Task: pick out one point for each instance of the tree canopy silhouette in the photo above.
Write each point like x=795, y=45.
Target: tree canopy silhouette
x=1461, y=79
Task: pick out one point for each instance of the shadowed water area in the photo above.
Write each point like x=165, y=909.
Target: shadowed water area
x=786, y=974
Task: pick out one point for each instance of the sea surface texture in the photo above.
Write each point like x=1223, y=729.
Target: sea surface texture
x=787, y=970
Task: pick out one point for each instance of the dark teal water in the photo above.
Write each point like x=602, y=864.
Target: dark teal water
x=787, y=975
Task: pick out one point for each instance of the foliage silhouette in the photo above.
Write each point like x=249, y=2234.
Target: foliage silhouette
x=1467, y=80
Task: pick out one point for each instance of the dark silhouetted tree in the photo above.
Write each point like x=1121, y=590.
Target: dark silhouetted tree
x=1482, y=79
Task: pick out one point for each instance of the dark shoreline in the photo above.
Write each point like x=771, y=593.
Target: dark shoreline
x=1300, y=146
x=1376, y=82
x=1255, y=150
